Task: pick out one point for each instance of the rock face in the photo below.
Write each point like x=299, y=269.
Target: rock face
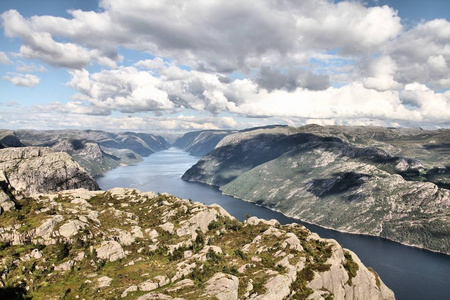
x=199, y=143
x=351, y=179
x=204, y=253
x=6, y=196
x=40, y=170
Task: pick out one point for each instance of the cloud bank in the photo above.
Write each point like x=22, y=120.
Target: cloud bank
x=289, y=60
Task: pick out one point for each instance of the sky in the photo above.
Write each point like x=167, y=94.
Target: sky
x=173, y=66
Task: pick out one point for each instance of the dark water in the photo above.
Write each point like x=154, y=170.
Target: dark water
x=410, y=272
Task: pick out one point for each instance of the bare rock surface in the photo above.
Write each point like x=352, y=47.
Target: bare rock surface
x=40, y=170
x=113, y=246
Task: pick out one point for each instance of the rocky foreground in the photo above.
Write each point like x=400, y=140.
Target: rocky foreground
x=128, y=244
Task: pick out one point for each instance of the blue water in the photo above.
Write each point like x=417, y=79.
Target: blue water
x=411, y=273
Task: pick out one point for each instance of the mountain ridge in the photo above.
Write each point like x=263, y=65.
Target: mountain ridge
x=324, y=179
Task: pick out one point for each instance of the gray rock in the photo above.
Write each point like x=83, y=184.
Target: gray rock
x=65, y=266
x=104, y=281
x=223, y=286
x=40, y=170
x=110, y=250
x=71, y=228
x=130, y=289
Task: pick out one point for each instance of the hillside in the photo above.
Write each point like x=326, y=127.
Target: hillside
x=199, y=143
x=90, y=245
x=351, y=179
x=95, y=150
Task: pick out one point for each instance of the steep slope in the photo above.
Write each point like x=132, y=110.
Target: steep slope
x=324, y=180
x=40, y=170
x=91, y=245
x=6, y=197
x=199, y=143
x=8, y=138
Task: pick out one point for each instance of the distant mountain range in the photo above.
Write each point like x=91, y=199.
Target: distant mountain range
x=97, y=151
x=198, y=143
x=387, y=182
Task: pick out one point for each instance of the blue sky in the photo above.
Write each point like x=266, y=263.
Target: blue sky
x=223, y=64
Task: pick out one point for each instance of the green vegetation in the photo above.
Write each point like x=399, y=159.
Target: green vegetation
x=251, y=253
x=351, y=266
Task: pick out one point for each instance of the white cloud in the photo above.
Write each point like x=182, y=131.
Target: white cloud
x=157, y=63
x=433, y=106
x=41, y=45
x=25, y=80
x=422, y=54
x=130, y=90
x=124, y=89
x=28, y=68
x=223, y=36
x=295, y=60
x=382, y=72
x=4, y=59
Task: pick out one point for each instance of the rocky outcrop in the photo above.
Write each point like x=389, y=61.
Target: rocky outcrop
x=115, y=247
x=6, y=196
x=110, y=250
x=40, y=170
x=223, y=286
x=336, y=177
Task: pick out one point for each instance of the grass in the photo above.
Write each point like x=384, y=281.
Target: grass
x=227, y=233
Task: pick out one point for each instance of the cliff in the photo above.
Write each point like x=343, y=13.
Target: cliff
x=351, y=179
x=40, y=170
x=124, y=243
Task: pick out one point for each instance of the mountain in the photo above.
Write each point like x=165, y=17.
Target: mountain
x=352, y=179
x=40, y=170
x=8, y=138
x=97, y=151
x=198, y=143
x=124, y=243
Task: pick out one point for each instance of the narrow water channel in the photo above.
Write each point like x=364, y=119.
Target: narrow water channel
x=410, y=272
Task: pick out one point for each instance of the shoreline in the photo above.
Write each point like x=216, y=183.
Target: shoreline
x=322, y=226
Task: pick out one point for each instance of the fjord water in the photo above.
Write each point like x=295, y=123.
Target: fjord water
x=411, y=273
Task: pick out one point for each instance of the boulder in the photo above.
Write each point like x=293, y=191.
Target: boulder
x=104, y=281
x=223, y=286
x=110, y=250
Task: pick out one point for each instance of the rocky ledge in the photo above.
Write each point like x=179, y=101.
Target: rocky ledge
x=40, y=170
x=128, y=244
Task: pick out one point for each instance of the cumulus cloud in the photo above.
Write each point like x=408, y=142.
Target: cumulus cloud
x=291, y=79
x=4, y=59
x=28, y=68
x=130, y=90
x=220, y=36
x=422, y=54
x=42, y=118
x=382, y=72
x=297, y=60
x=156, y=64
x=125, y=89
x=41, y=45
x=25, y=80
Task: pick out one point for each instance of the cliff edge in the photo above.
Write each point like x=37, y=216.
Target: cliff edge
x=40, y=170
